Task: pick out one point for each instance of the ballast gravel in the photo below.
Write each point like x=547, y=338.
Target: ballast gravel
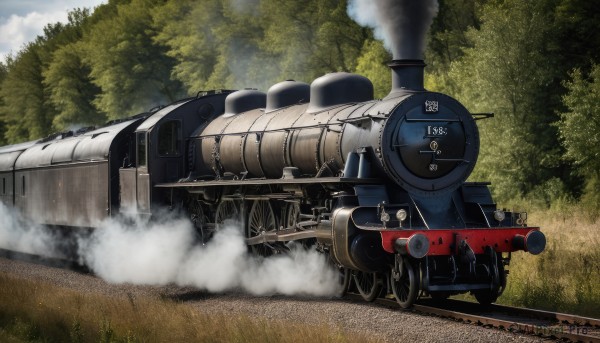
x=380, y=322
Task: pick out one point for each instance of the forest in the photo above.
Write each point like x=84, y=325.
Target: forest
x=534, y=64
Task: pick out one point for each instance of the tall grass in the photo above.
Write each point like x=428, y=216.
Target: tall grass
x=37, y=312
x=566, y=276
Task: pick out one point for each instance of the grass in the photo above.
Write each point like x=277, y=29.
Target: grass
x=38, y=312
x=566, y=276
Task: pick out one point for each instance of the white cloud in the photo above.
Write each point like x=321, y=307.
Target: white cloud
x=21, y=22
x=18, y=30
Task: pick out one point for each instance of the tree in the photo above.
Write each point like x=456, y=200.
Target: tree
x=448, y=32
x=510, y=70
x=448, y=39
x=578, y=37
x=311, y=38
x=372, y=63
x=241, y=62
x=71, y=90
x=29, y=100
x=233, y=44
x=23, y=107
x=3, y=74
x=67, y=80
x=186, y=30
x=132, y=71
x=579, y=129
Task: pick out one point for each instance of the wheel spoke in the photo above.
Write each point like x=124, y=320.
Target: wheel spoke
x=227, y=210
x=368, y=284
x=261, y=218
x=292, y=214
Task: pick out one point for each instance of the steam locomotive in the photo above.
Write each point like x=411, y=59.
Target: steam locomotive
x=379, y=186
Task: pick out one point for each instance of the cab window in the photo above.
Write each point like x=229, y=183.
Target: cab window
x=169, y=138
x=141, y=149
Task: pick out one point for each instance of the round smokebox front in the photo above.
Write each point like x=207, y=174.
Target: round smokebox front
x=430, y=144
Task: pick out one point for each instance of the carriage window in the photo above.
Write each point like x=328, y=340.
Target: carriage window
x=3, y=185
x=23, y=184
x=168, y=138
x=141, y=149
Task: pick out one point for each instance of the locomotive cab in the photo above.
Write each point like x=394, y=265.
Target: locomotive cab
x=159, y=152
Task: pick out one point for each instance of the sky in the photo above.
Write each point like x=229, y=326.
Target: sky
x=21, y=21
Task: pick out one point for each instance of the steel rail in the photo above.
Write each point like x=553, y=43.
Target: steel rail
x=574, y=333
x=514, y=319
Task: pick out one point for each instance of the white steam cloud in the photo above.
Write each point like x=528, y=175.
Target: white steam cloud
x=166, y=252
x=16, y=235
x=401, y=24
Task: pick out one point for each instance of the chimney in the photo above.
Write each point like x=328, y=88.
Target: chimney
x=407, y=76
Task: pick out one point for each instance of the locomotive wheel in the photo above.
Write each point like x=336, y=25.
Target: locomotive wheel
x=368, y=284
x=405, y=283
x=487, y=296
x=198, y=218
x=292, y=217
x=261, y=218
x=344, y=281
x=292, y=214
x=344, y=277
x=228, y=210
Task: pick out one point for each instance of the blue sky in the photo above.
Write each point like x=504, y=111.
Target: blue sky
x=22, y=20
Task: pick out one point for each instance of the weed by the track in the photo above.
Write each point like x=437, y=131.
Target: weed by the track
x=566, y=276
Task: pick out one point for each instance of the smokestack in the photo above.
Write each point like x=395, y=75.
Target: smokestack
x=407, y=75
x=403, y=25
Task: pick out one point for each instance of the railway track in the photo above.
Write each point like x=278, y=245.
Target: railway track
x=522, y=320
x=515, y=319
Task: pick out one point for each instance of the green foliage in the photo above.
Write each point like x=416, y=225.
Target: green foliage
x=508, y=71
x=447, y=35
x=23, y=98
x=447, y=41
x=505, y=56
x=225, y=44
x=187, y=32
x=132, y=71
x=579, y=129
x=66, y=78
x=3, y=75
x=577, y=37
x=28, y=102
x=579, y=126
x=312, y=38
x=71, y=90
x=372, y=64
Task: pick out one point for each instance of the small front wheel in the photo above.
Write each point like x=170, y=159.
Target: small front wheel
x=405, y=282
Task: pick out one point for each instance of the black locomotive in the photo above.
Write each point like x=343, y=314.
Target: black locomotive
x=378, y=185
